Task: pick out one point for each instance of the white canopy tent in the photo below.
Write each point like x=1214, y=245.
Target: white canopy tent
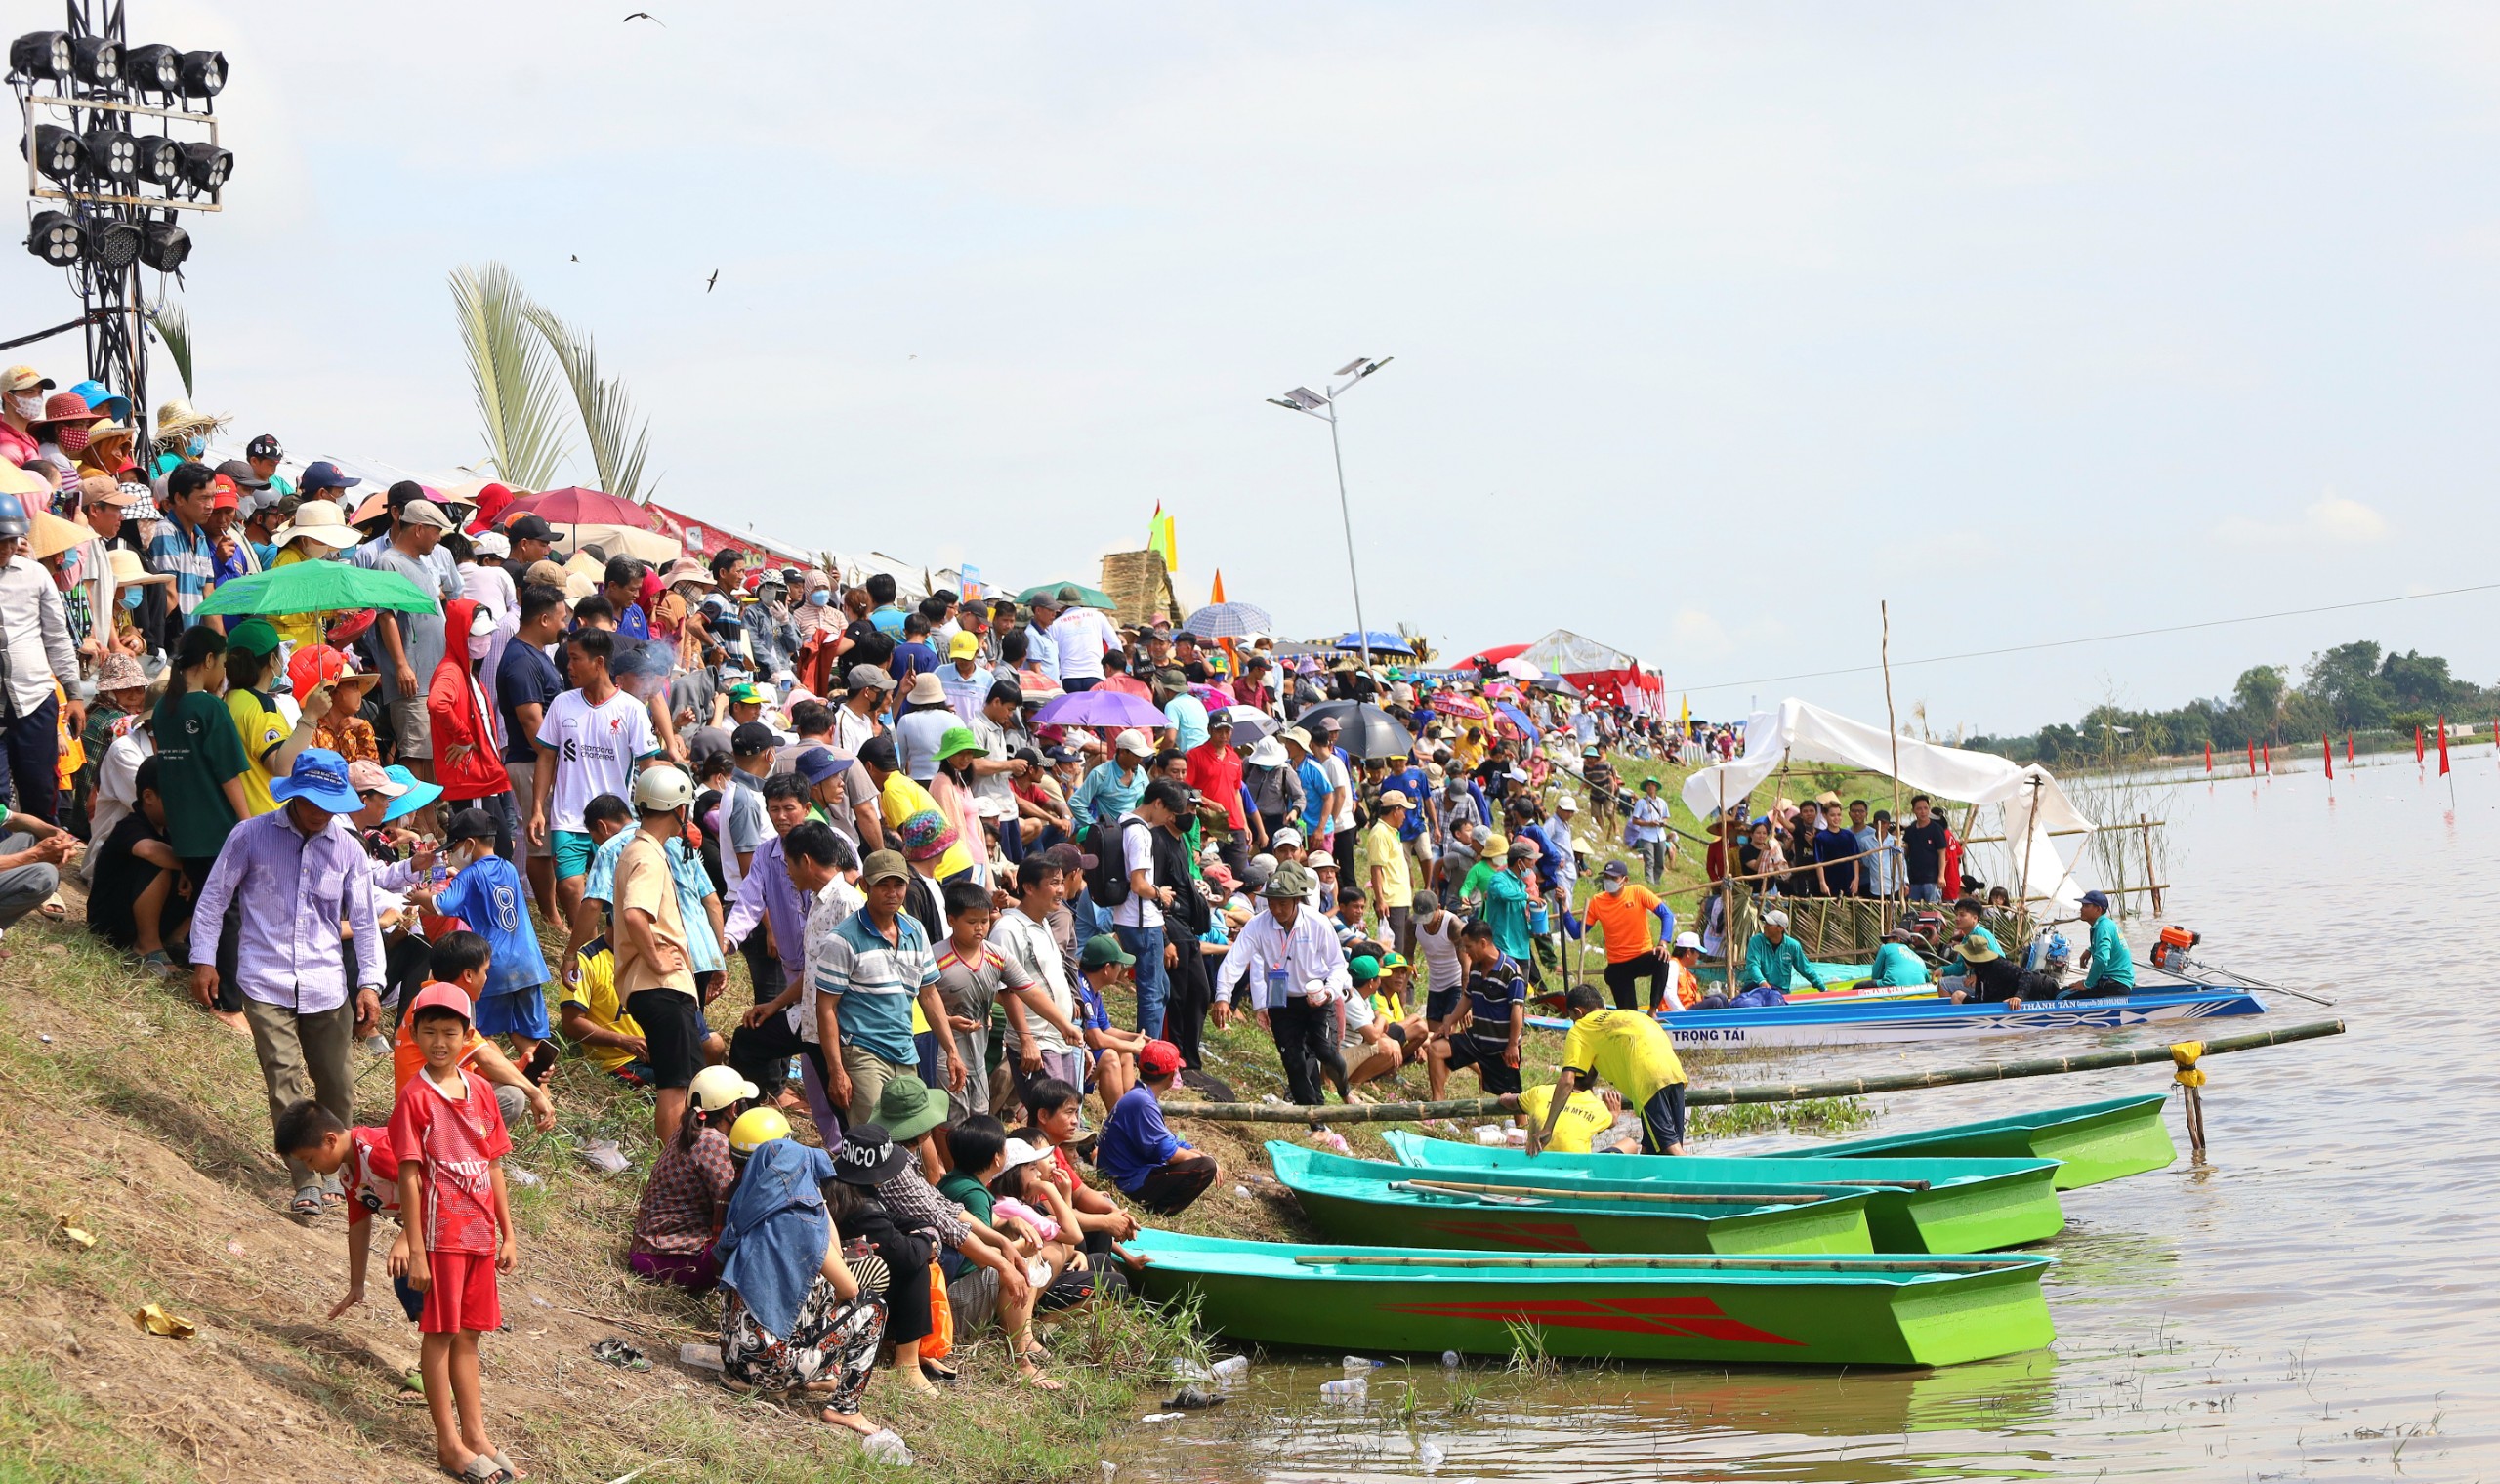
x=1563, y=652
x=2030, y=799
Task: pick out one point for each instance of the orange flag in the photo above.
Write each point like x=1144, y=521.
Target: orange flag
x=2209, y=757
x=2348, y=749
x=2270, y=759
x=2417, y=742
x=2326, y=750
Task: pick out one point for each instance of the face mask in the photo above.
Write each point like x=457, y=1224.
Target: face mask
x=28, y=407
x=130, y=597
x=194, y=448
x=819, y=599
x=477, y=644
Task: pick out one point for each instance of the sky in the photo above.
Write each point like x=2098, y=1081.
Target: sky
x=1715, y=327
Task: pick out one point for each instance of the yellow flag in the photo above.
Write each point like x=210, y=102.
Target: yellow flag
x=1159, y=538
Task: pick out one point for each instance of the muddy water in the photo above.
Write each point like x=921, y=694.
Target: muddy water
x=2319, y=1300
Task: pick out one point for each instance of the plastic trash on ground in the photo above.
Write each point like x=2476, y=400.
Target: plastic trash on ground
x=1232, y=1371
x=603, y=1154
x=1488, y=1134
x=1430, y=1454
x=702, y=1357
x=1350, y=1392
x=887, y=1446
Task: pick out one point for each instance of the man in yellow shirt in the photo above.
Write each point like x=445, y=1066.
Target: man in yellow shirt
x=1585, y=1116
x=1629, y=1051
x=1380, y=863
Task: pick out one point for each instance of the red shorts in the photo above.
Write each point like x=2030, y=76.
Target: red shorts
x=462, y=1296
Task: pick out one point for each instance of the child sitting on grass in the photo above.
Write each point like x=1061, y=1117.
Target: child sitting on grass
x=449, y=1138
x=313, y=1136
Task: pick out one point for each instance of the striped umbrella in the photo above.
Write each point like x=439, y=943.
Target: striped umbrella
x=1229, y=620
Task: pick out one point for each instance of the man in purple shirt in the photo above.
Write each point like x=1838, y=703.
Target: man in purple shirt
x=296, y=873
x=788, y=872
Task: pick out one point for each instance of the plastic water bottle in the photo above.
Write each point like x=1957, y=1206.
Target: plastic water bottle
x=1188, y=1370
x=1331, y=1140
x=702, y=1357
x=1514, y=1136
x=1488, y=1134
x=887, y=1446
x=1429, y=1454
x=1450, y=1360
x=1356, y=1365
x=1345, y=1394
x=1242, y=1193
x=1232, y=1371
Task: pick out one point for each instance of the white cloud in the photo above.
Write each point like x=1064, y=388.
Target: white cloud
x=1693, y=635
x=2332, y=521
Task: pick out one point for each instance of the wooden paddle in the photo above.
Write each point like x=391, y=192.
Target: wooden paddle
x=1783, y=1264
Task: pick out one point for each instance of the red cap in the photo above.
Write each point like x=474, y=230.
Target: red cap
x=1158, y=1059
x=229, y=495
x=449, y=996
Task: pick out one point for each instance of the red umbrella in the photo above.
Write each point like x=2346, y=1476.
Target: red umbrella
x=575, y=506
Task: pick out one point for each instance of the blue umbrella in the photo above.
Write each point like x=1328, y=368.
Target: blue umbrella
x=1229, y=620
x=1519, y=716
x=1380, y=643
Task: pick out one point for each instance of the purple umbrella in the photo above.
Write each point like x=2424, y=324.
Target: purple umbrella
x=1100, y=708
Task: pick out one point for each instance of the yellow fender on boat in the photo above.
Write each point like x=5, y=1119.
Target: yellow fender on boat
x=2183, y=1056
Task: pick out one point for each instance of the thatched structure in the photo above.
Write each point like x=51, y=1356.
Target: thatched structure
x=1139, y=586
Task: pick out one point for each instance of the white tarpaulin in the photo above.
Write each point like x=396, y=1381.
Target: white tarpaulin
x=1800, y=733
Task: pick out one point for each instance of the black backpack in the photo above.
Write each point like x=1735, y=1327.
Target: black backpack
x=1108, y=884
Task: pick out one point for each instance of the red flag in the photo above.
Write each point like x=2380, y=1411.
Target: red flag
x=2417, y=742
x=2270, y=759
x=2348, y=749
x=2209, y=757
x=2252, y=758
x=2443, y=744
x=2326, y=749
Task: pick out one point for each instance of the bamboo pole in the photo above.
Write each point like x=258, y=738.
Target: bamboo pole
x=1633, y=1261
x=1892, y=723
x=1761, y=1092
x=1660, y=1198
x=1998, y=840
x=2150, y=875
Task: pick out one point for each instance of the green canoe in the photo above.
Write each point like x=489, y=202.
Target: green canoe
x=1355, y=1200
x=1933, y=1206
x=1833, y=1311
x=2093, y=1141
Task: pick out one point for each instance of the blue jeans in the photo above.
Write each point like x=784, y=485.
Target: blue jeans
x=1153, y=987
x=1930, y=892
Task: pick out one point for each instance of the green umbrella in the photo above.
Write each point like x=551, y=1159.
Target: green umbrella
x=317, y=587
x=1095, y=597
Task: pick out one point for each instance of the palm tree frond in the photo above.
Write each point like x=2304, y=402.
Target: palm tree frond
x=619, y=440
x=173, y=326
x=519, y=406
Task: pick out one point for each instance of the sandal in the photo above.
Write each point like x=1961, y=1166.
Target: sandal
x=616, y=1352
x=53, y=910
x=306, y=1203
x=482, y=1469
x=938, y=1373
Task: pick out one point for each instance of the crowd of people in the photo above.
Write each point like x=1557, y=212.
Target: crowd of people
x=354, y=831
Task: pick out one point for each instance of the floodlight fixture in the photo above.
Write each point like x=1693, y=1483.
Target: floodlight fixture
x=163, y=246
x=152, y=68
x=96, y=59
x=160, y=159
x=206, y=166
x=56, y=238
x=111, y=154
x=204, y=74
x=113, y=242
x=40, y=54
x=58, y=152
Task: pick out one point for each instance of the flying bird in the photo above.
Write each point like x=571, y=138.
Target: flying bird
x=577, y=256
x=708, y=282
x=647, y=16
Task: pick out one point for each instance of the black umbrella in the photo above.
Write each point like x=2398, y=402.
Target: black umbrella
x=1367, y=730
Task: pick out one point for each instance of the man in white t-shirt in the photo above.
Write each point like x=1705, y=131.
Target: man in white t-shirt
x=1042, y=1035
x=590, y=741
x=1081, y=634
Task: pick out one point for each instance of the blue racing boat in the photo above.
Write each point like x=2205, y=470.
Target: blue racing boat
x=1855, y=1023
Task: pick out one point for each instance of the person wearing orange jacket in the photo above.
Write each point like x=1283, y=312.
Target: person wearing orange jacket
x=468, y=751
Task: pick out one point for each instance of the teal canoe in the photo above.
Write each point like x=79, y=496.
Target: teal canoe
x=2091, y=1141
x=1372, y=1201
x=1913, y=1205
x=1828, y=1311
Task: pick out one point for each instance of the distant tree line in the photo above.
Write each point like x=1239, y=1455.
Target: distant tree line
x=2355, y=687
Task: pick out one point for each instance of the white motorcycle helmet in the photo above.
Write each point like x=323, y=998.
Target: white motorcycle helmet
x=662, y=790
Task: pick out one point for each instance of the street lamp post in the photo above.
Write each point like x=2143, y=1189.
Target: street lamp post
x=1325, y=406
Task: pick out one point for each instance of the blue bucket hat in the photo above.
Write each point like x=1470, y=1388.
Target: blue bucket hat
x=419, y=793
x=319, y=778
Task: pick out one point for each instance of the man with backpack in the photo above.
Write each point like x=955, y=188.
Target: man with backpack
x=1130, y=885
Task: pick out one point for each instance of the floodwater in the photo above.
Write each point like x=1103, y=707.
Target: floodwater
x=2319, y=1300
